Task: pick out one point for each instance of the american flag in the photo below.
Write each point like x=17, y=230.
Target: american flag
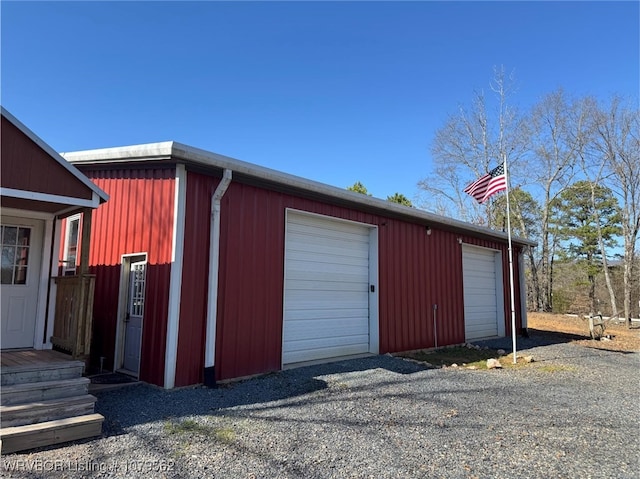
x=487, y=185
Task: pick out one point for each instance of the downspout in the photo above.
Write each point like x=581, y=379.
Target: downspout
x=214, y=264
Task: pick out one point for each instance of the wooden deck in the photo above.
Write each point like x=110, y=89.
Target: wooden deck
x=12, y=358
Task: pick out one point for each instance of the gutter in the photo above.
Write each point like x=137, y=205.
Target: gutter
x=214, y=266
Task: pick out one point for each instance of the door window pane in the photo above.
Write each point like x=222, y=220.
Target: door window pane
x=21, y=275
x=15, y=254
x=9, y=235
x=6, y=275
x=23, y=256
x=71, y=245
x=24, y=235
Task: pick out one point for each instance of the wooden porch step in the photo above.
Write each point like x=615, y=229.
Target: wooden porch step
x=21, y=438
x=30, y=373
x=42, y=391
x=49, y=410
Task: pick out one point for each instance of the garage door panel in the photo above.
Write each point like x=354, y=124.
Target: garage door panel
x=321, y=304
x=327, y=313
x=323, y=341
x=306, y=245
x=482, y=294
x=354, y=340
x=353, y=285
x=319, y=229
x=319, y=328
x=304, y=261
x=487, y=332
x=341, y=257
x=290, y=357
x=326, y=310
x=483, y=303
x=487, y=311
x=479, y=274
x=480, y=321
x=327, y=272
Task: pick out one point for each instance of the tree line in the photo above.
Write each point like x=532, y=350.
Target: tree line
x=574, y=174
x=399, y=198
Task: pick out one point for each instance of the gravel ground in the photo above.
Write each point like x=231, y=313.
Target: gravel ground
x=572, y=413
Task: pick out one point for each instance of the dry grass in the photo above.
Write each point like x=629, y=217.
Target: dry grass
x=621, y=337
x=557, y=327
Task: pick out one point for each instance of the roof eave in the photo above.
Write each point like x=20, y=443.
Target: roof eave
x=175, y=151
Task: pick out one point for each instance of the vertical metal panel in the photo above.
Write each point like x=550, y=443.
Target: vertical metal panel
x=137, y=218
x=195, y=284
x=417, y=271
x=249, y=324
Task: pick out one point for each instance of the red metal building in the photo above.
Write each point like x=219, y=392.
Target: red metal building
x=210, y=268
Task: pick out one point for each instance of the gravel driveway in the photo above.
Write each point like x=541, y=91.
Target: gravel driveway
x=573, y=413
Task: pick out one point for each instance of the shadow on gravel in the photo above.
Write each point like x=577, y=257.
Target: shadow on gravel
x=538, y=338
x=139, y=404
x=535, y=339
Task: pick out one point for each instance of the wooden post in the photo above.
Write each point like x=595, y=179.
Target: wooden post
x=85, y=245
x=83, y=332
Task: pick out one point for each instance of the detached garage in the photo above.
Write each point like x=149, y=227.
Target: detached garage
x=248, y=270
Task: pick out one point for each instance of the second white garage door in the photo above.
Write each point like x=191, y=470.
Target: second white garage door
x=326, y=300
x=482, y=279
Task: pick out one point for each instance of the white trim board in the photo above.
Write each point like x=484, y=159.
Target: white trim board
x=175, y=282
x=49, y=198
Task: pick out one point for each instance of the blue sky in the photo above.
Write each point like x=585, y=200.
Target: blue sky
x=336, y=92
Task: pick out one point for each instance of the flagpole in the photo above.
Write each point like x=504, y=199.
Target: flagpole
x=513, y=301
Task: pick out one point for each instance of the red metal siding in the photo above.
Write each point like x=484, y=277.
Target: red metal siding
x=416, y=270
x=195, y=285
x=138, y=218
x=24, y=164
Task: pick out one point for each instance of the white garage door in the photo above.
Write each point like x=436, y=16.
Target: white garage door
x=481, y=296
x=326, y=300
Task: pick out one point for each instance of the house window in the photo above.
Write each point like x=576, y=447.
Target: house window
x=15, y=254
x=71, y=239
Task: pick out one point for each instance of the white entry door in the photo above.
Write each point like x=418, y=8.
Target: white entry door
x=133, y=320
x=20, y=277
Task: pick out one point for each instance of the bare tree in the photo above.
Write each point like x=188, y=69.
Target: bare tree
x=471, y=143
x=559, y=127
x=618, y=140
